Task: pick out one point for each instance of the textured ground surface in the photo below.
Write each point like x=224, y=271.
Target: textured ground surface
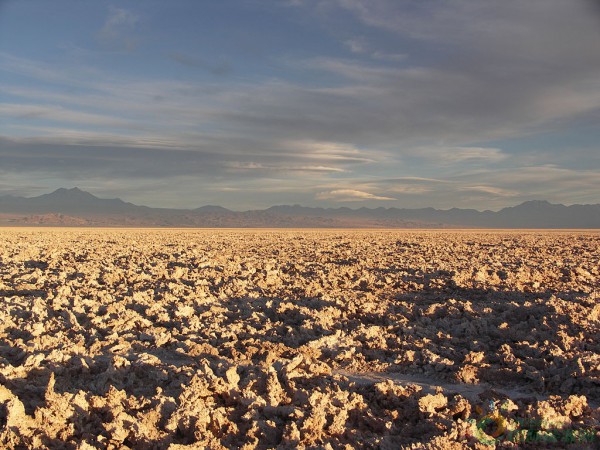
x=315, y=339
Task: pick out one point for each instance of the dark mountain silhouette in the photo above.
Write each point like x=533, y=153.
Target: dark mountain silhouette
x=67, y=201
x=77, y=207
x=213, y=209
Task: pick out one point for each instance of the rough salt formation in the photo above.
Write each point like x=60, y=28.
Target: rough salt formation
x=298, y=339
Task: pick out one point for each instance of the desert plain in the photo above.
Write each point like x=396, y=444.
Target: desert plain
x=299, y=339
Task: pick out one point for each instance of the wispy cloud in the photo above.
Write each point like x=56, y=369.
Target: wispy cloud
x=219, y=68
x=353, y=69
x=60, y=114
x=116, y=32
x=462, y=154
x=350, y=195
x=253, y=166
x=360, y=46
x=499, y=192
x=356, y=45
x=329, y=151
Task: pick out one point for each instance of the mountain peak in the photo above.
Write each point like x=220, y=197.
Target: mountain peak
x=212, y=209
x=62, y=189
x=75, y=200
x=70, y=193
x=537, y=202
x=545, y=204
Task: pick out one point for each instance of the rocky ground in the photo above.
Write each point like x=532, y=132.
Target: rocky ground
x=299, y=339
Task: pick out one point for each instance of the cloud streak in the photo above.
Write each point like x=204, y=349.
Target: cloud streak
x=350, y=195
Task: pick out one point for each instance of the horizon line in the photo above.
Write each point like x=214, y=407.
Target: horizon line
x=78, y=189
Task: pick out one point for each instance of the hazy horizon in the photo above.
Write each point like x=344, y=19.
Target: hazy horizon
x=352, y=207
x=324, y=103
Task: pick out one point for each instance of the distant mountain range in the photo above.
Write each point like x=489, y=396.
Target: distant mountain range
x=74, y=207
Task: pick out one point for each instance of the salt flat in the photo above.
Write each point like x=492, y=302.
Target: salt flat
x=116, y=338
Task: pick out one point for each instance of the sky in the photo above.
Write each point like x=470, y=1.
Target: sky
x=254, y=103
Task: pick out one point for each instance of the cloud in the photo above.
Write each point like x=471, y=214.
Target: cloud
x=382, y=110
x=328, y=151
x=509, y=67
x=410, y=189
x=547, y=180
x=59, y=114
x=465, y=154
x=385, y=56
x=349, y=195
x=353, y=69
x=359, y=46
x=382, y=107
x=116, y=33
x=356, y=45
x=221, y=68
x=498, y=192
x=47, y=73
x=439, y=123
x=253, y=166
x=412, y=179
x=544, y=182
x=412, y=186
x=479, y=153
x=104, y=158
x=506, y=30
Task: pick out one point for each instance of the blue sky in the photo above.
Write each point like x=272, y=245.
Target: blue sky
x=251, y=103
